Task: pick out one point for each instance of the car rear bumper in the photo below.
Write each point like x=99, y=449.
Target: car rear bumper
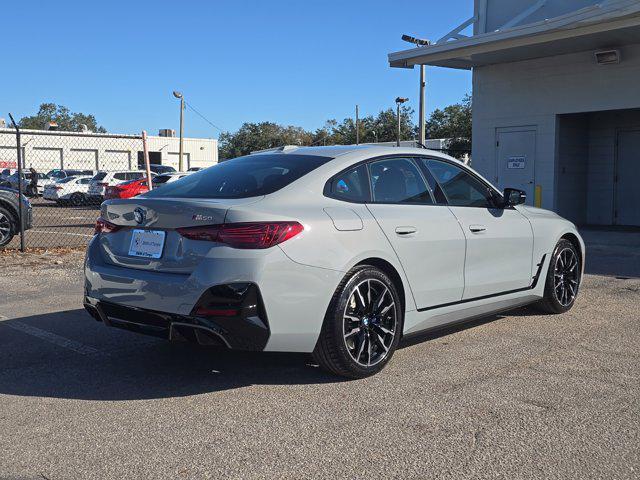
x=294, y=297
x=239, y=322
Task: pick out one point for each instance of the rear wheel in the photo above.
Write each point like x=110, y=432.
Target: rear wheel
x=563, y=279
x=362, y=326
x=7, y=227
x=76, y=199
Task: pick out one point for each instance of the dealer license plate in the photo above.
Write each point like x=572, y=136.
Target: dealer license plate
x=147, y=243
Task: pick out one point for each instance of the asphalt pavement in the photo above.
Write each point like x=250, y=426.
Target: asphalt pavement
x=519, y=395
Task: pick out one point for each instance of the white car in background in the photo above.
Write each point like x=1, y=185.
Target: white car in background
x=159, y=180
x=103, y=179
x=72, y=190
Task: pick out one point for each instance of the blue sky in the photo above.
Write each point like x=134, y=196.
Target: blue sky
x=291, y=62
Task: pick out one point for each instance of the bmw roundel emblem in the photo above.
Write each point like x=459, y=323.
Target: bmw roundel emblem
x=138, y=215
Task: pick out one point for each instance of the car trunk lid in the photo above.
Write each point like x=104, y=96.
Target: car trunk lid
x=178, y=254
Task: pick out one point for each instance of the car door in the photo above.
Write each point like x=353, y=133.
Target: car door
x=499, y=240
x=426, y=237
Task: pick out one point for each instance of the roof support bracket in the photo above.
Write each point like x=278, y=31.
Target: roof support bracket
x=455, y=33
x=524, y=14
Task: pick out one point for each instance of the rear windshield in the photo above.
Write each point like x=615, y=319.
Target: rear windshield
x=161, y=179
x=99, y=176
x=242, y=177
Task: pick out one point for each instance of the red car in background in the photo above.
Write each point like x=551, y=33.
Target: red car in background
x=127, y=189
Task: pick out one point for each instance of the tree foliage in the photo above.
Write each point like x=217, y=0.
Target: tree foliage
x=453, y=122
x=259, y=136
x=66, y=120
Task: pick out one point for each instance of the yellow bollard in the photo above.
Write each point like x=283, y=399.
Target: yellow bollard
x=537, y=198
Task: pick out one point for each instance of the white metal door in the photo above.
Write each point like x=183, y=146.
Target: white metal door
x=627, y=193
x=516, y=159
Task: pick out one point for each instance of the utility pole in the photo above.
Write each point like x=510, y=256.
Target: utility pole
x=399, y=101
x=181, y=97
x=357, y=127
x=19, y=158
x=421, y=113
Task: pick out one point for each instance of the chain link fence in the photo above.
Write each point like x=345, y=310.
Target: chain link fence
x=62, y=178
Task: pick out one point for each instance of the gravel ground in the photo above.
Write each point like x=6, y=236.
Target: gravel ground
x=519, y=395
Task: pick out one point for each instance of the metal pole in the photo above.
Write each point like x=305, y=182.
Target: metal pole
x=20, y=213
x=398, y=115
x=421, y=113
x=357, y=127
x=146, y=159
x=180, y=165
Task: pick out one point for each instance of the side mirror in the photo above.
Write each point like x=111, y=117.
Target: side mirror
x=513, y=196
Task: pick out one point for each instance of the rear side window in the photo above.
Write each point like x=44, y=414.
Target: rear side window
x=134, y=175
x=242, y=177
x=351, y=185
x=460, y=187
x=120, y=176
x=99, y=176
x=84, y=181
x=161, y=179
x=398, y=180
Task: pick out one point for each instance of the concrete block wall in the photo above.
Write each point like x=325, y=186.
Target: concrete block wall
x=534, y=92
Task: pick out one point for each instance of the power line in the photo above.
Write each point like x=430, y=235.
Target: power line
x=203, y=117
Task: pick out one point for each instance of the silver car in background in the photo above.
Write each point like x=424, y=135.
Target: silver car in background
x=337, y=251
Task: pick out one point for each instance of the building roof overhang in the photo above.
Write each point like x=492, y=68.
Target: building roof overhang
x=610, y=25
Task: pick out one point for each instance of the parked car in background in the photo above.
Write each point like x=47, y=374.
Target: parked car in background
x=335, y=251
x=12, y=182
x=71, y=190
x=58, y=174
x=194, y=169
x=127, y=189
x=161, y=169
x=160, y=180
x=6, y=173
x=9, y=219
x=103, y=179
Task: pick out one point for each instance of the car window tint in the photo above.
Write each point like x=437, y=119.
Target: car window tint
x=242, y=177
x=436, y=190
x=352, y=185
x=461, y=188
x=120, y=176
x=99, y=176
x=398, y=180
x=135, y=175
x=84, y=181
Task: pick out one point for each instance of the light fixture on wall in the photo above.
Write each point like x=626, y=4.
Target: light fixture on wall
x=607, y=57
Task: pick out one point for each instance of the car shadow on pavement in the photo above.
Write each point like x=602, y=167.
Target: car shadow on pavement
x=69, y=355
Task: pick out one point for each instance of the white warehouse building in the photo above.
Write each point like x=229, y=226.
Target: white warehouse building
x=556, y=101
x=51, y=149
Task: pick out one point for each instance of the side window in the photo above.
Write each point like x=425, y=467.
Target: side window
x=120, y=176
x=461, y=188
x=398, y=180
x=351, y=185
x=84, y=181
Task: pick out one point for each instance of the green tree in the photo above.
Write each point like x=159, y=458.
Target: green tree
x=66, y=120
x=454, y=123
x=259, y=136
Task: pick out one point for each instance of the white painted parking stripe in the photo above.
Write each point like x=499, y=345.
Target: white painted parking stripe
x=52, y=338
x=61, y=233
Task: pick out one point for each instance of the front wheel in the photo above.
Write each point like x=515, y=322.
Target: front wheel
x=563, y=279
x=362, y=326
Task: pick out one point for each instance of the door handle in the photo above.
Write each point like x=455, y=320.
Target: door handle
x=406, y=230
x=477, y=228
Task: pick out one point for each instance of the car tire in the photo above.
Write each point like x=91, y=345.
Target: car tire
x=76, y=199
x=362, y=326
x=8, y=226
x=563, y=279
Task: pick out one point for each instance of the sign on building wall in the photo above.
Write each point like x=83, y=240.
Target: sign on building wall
x=516, y=162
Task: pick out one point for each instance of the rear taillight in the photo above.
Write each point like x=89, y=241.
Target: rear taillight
x=245, y=235
x=57, y=188
x=102, y=226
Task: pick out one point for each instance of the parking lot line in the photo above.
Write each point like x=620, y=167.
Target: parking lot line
x=52, y=338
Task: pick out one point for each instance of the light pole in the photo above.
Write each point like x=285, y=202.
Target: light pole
x=420, y=42
x=181, y=97
x=399, y=101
